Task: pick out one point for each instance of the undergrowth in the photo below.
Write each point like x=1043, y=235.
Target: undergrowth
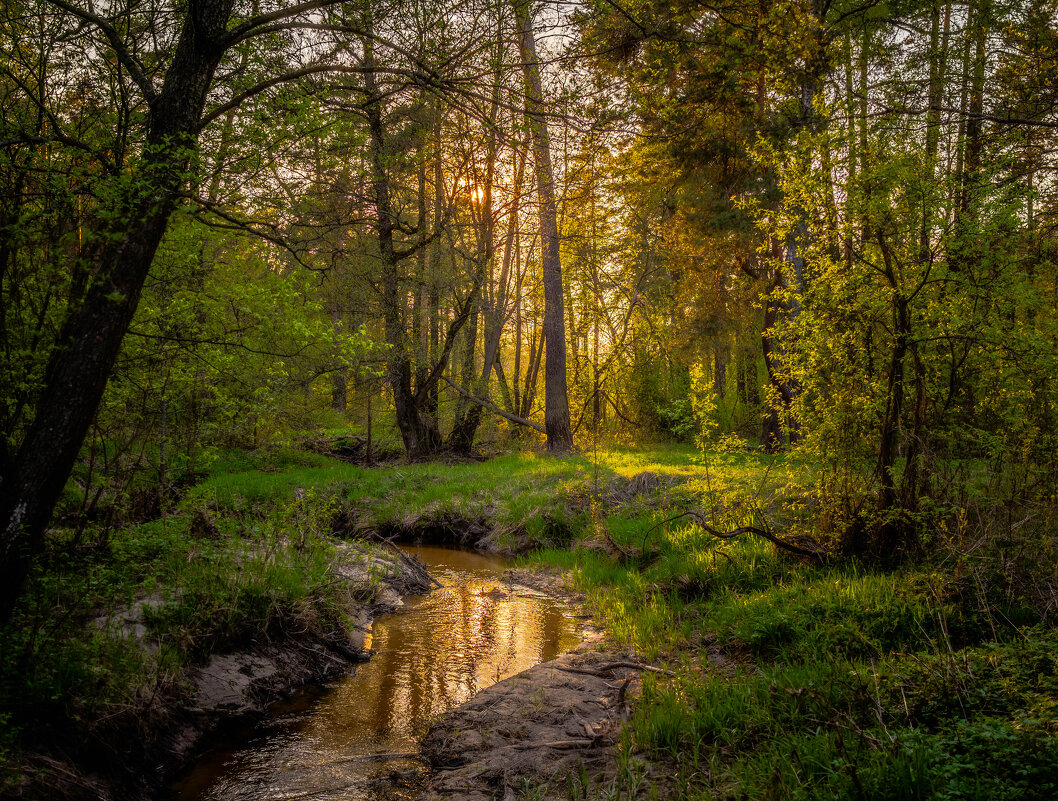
x=794, y=680
x=102, y=638
x=936, y=680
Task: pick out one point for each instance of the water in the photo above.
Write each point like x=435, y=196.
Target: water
x=342, y=742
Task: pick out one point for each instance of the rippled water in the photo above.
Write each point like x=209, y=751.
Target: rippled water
x=343, y=742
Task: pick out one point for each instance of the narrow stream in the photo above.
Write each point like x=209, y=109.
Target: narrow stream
x=327, y=743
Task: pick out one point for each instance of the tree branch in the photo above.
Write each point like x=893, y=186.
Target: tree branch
x=699, y=520
x=287, y=77
x=492, y=407
x=114, y=38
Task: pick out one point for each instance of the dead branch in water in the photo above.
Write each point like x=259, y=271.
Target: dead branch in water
x=417, y=568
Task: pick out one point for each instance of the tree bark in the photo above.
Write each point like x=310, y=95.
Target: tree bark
x=77, y=372
x=495, y=313
x=468, y=407
x=556, y=400
x=419, y=432
x=720, y=373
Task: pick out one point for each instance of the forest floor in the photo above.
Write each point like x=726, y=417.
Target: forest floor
x=728, y=670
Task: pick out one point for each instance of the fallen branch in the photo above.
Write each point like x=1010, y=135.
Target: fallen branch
x=414, y=565
x=492, y=407
x=367, y=757
x=575, y=743
x=625, y=556
x=612, y=666
x=699, y=520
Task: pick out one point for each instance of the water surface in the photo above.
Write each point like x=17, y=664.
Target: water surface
x=341, y=742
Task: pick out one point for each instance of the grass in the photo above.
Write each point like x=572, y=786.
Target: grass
x=792, y=680
x=816, y=681
x=100, y=643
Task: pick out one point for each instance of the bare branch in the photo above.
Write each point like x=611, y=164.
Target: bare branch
x=130, y=64
x=492, y=407
x=250, y=26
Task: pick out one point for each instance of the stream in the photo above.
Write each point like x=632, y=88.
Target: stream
x=357, y=738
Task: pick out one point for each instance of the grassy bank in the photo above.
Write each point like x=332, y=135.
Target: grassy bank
x=792, y=678
x=818, y=681
x=95, y=663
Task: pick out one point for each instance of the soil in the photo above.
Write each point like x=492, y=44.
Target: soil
x=535, y=729
x=174, y=728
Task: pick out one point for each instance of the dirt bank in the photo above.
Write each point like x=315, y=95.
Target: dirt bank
x=534, y=730
x=141, y=757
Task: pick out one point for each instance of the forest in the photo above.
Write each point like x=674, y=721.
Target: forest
x=610, y=288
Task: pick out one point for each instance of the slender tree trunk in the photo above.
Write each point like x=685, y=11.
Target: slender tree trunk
x=970, y=174
x=515, y=388
x=430, y=401
x=786, y=387
x=420, y=327
x=938, y=57
x=719, y=373
x=339, y=378
x=535, y=358
x=556, y=401
x=468, y=412
x=370, y=425
x=894, y=531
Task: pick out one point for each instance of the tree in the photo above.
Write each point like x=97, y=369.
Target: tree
x=556, y=401
x=145, y=169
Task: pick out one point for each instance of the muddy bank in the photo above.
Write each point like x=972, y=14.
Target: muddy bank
x=537, y=728
x=534, y=730
x=138, y=757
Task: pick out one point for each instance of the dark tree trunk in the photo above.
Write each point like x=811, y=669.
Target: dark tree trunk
x=720, y=374
x=339, y=396
x=77, y=372
x=339, y=378
x=894, y=532
x=786, y=387
x=494, y=313
x=419, y=432
x=556, y=401
x=468, y=413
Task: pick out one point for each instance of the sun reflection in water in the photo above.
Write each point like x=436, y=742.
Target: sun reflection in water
x=434, y=655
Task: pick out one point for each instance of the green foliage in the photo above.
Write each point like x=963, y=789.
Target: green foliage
x=819, y=682
x=105, y=630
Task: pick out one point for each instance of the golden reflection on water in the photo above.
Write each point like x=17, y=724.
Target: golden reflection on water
x=435, y=654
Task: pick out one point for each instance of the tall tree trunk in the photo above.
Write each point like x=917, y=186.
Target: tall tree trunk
x=468, y=413
x=938, y=58
x=894, y=532
x=719, y=373
x=786, y=387
x=420, y=435
x=420, y=327
x=495, y=315
x=77, y=372
x=556, y=400
x=433, y=302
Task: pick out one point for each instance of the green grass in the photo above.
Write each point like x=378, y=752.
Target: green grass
x=816, y=682
x=74, y=669
x=937, y=680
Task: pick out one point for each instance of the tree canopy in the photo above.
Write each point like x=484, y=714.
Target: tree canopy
x=825, y=227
